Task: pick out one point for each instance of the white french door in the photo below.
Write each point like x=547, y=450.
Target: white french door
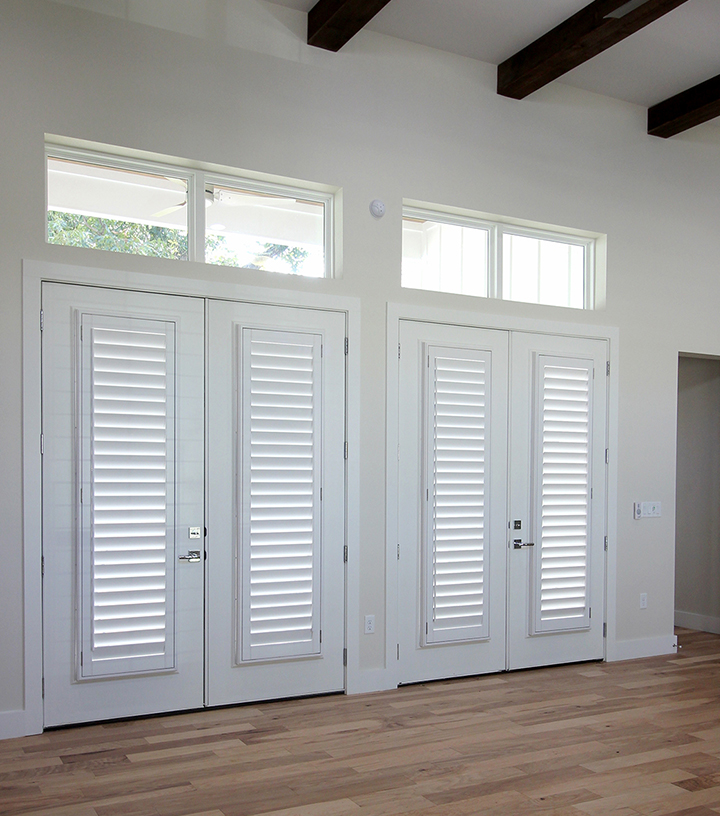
x=193, y=518
x=276, y=426
x=452, y=500
x=501, y=500
x=123, y=471
x=557, y=496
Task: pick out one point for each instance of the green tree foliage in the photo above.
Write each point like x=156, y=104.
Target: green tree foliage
x=70, y=229
x=272, y=257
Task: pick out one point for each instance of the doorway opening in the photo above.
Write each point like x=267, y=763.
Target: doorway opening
x=697, y=519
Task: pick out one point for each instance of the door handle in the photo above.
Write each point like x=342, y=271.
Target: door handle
x=518, y=543
x=192, y=557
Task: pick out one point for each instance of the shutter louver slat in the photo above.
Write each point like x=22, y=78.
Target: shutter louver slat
x=280, y=494
x=457, y=400
x=128, y=478
x=563, y=441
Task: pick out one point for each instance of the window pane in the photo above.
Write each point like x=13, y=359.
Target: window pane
x=120, y=210
x=445, y=257
x=259, y=230
x=539, y=270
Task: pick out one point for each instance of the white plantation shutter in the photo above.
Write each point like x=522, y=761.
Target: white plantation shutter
x=280, y=492
x=562, y=477
x=457, y=433
x=127, y=421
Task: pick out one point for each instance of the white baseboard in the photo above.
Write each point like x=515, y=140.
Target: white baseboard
x=13, y=724
x=363, y=682
x=642, y=647
x=703, y=623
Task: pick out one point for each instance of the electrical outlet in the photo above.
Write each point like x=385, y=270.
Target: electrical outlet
x=369, y=624
x=643, y=600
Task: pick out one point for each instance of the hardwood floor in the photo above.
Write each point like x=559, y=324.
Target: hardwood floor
x=639, y=737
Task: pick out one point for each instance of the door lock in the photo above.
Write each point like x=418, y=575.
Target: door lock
x=192, y=557
x=518, y=543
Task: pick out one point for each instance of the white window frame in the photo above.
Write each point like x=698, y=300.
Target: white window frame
x=497, y=229
x=245, y=185
x=132, y=165
x=197, y=182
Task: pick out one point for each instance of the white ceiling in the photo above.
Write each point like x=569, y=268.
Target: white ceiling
x=672, y=54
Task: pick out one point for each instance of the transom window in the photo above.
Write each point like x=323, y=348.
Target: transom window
x=485, y=258
x=145, y=208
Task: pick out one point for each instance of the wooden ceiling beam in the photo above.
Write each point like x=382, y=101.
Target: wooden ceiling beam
x=587, y=33
x=685, y=110
x=332, y=23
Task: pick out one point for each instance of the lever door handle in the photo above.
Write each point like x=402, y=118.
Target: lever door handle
x=518, y=543
x=192, y=557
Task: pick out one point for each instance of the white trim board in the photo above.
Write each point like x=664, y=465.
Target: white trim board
x=397, y=312
x=15, y=724
x=702, y=623
x=642, y=647
x=30, y=719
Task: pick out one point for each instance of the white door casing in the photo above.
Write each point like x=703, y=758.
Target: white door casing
x=122, y=383
x=276, y=495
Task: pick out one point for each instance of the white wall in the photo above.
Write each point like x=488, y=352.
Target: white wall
x=697, y=537
x=390, y=120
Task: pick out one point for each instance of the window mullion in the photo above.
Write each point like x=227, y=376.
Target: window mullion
x=495, y=263
x=196, y=217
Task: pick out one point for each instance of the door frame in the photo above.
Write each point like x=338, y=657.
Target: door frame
x=397, y=312
x=30, y=720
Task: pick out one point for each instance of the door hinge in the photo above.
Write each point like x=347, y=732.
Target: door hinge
x=590, y=613
x=606, y=543
x=347, y=345
x=42, y=444
x=398, y=551
x=322, y=349
x=321, y=494
x=607, y=369
x=42, y=565
x=42, y=320
x=345, y=451
x=43, y=688
x=321, y=636
x=397, y=652
x=607, y=456
x=398, y=351
x=345, y=554
x=604, y=630
x=344, y=657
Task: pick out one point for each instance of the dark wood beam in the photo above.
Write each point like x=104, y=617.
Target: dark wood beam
x=685, y=110
x=332, y=23
x=584, y=35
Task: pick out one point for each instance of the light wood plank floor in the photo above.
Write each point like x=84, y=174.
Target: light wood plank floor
x=640, y=737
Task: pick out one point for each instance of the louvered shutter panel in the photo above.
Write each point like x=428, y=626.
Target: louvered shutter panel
x=456, y=554
x=280, y=491
x=127, y=420
x=562, y=504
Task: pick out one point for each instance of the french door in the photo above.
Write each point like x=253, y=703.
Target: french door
x=123, y=472
x=193, y=512
x=276, y=580
x=501, y=500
